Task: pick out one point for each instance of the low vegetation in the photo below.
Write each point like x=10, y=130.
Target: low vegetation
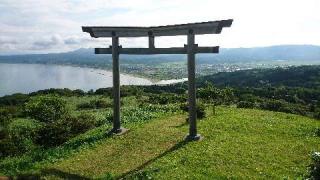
x=56, y=132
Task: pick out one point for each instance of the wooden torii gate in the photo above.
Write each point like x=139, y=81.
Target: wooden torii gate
x=192, y=29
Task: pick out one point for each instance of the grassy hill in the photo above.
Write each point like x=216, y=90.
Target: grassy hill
x=237, y=143
x=300, y=76
x=62, y=133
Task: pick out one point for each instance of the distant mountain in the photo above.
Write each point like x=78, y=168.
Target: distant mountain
x=289, y=53
x=272, y=53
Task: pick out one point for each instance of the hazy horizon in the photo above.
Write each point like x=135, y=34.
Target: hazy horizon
x=72, y=50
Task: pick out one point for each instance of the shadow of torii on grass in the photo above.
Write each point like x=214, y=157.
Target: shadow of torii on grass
x=172, y=149
x=121, y=156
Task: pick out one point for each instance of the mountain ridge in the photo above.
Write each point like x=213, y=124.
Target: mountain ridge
x=86, y=56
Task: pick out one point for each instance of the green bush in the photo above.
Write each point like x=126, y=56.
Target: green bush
x=143, y=113
x=317, y=113
x=86, y=105
x=13, y=100
x=200, y=110
x=104, y=91
x=315, y=166
x=58, y=132
x=245, y=104
x=210, y=94
x=317, y=132
x=46, y=108
x=21, y=136
x=59, y=92
x=5, y=117
x=272, y=105
x=7, y=113
x=94, y=104
x=54, y=133
x=82, y=123
x=166, y=98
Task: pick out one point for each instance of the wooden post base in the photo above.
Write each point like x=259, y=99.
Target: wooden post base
x=119, y=131
x=198, y=137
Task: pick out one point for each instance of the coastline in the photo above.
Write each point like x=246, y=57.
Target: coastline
x=88, y=66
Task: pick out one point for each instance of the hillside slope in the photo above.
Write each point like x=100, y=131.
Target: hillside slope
x=238, y=143
x=300, y=76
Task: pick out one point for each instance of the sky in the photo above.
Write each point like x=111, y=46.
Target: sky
x=45, y=26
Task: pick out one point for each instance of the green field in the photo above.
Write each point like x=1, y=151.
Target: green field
x=237, y=143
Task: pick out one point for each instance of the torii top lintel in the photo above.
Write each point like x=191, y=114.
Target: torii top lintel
x=210, y=27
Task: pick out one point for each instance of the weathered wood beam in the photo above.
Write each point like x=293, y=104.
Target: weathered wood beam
x=173, y=50
x=191, y=47
x=210, y=27
x=151, y=40
x=116, y=84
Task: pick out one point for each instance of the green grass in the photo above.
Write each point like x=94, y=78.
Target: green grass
x=245, y=144
x=237, y=143
x=33, y=162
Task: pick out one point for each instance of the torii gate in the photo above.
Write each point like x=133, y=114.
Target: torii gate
x=191, y=29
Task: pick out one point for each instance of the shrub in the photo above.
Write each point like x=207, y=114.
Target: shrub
x=272, y=105
x=317, y=132
x=102, y=104
x=317, y=113
x=14, y=99
x=131, y=91
x=201, y=113
x=5, y=116
x=315, y=166
x=58, y=132
x=143, y=113
x=95, y=104
x=78, y=92
x=46, y=108
x=166, y=98
x=86, y=105
x=82, y=123
x=200, y=110
x=54, y=133
x=104, y=91
x=21, y=135
x=210, y=94
x=245, y=104
x=60, y=92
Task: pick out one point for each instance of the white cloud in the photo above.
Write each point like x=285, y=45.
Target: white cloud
x=53, y=26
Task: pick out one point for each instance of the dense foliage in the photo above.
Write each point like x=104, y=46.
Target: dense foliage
x=315, y=166
x=46, y=108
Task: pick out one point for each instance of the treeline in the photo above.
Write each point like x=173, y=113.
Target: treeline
x=293, y=90
x=300, y=76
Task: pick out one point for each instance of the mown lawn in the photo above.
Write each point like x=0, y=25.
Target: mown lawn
x=237, y=143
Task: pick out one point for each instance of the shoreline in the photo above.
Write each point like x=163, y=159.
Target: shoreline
x=96, y=70
x=153, y=80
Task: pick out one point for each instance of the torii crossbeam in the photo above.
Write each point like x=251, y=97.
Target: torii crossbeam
x=190, y=30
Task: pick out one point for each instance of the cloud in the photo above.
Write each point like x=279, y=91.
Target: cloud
x=7, y=40
x=55, y=40
x=37, y=26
